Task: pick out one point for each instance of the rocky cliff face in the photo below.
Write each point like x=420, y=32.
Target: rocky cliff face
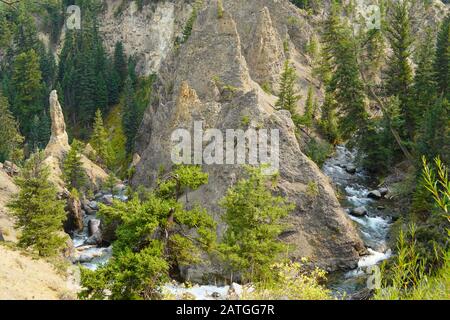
x=147, y=34
x=216, y=77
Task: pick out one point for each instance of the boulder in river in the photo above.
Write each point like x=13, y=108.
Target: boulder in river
x=94, y=226
x=358, y=212
x=374, y=194
x=107, y=199
x=383, y=191
x=350, y=169
x=74, y=214
x=93, y=205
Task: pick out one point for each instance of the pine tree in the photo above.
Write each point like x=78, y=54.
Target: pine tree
x=442, y=63
x=400, y=74
x=308, y=117
x=28, y=88
x=39, y=214
x=99, y=139
x=130, y=119
x=424, y=91
x=287, y=97
x=329, y=120
x=120, y=63
x=10, y=137
x=154, y=236
x=73, y=172
x=434, y=134
x=39, y=133
x=345, y=85
x=253, y=217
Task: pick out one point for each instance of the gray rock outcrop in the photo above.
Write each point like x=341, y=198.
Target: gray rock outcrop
x=211, y=81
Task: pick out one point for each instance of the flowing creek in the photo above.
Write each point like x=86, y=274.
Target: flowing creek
x=354, y=186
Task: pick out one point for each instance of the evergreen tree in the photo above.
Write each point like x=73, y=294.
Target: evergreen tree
x=287, y=98
x=309, y=108
x=10, y=137
x=424, y=90
x=28, y=88
x=73, y=172
x=39, y=214
x=329, y=121
x=154, y=236
x=120, y=63
x=130, y=119
x=378, y=151
x=434, y=134
x=345, y=85
x=442, y=63
x=252, y=214
x=400, y=73
x=99, y=140
x=86, y=76
x=40, y=132
x=113, y=86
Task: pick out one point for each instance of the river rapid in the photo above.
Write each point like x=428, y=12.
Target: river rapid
x=353, y=186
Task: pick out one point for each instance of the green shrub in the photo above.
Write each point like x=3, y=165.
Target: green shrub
x=318, y=151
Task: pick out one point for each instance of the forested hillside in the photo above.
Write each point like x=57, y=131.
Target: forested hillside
x=356, y=91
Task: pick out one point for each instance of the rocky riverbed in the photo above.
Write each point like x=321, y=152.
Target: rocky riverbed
x=368, y=207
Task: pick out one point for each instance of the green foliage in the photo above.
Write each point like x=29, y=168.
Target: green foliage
x=287, y=97
x=73, y=172
x=117, y=140
x=190, y=22
x=120, y=63
x=442, y=62
x=433, y=137
x=131, y=118
x=400, y=73
x=39, y=214
x=88, y=79
x=413, y=274
x=182, y=179
x=10, y=137
x=130, y=276
x=307, y=119
x=99, y=140
x=154, y=236
x=292, y=281
x=28, y=88
x=378, y=151
x=438, y=186
x=345, y=85
x=219, y=9
x=250, y=245
x=110, y=183
x=40, y=131
x=329, y=121
x=318, y=151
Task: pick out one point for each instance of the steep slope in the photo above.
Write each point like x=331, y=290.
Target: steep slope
x=213, y=78
x=7, y=190
x=24, y=278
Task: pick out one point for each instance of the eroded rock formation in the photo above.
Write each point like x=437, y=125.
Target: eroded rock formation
x=212, y=81
x=58, y=146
